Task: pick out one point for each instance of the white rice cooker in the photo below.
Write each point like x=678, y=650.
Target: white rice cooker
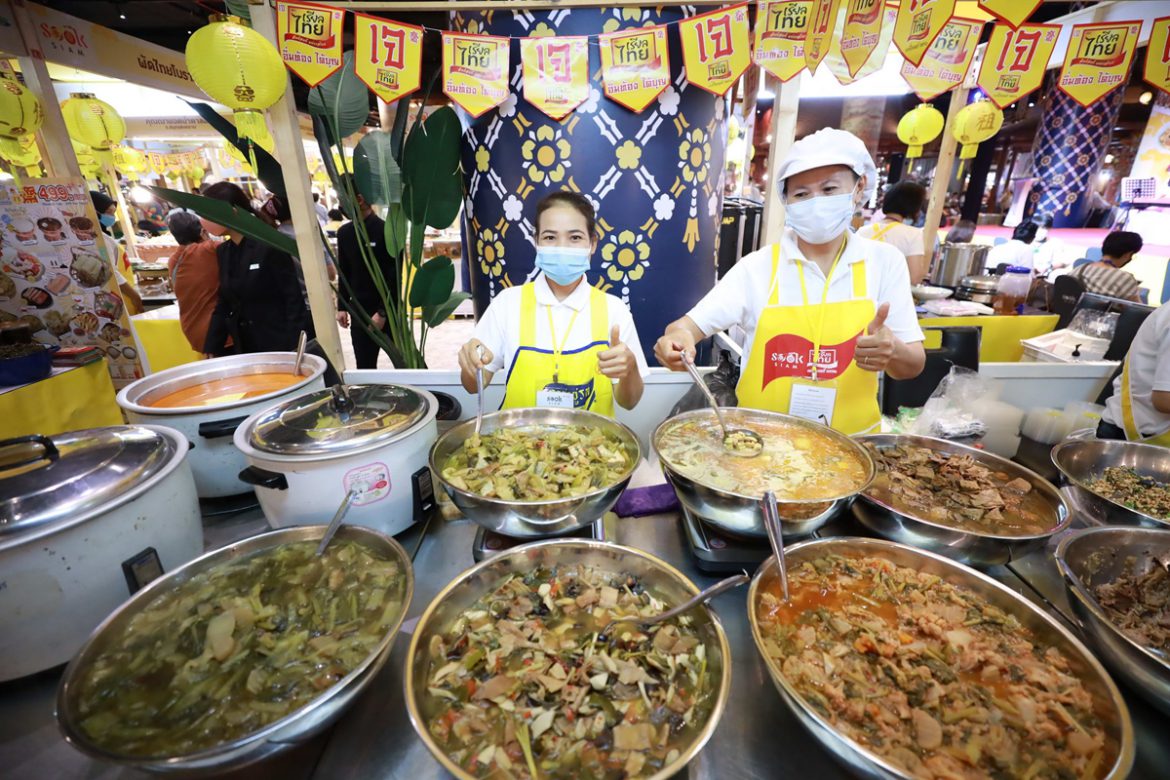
x=86, y=518
x=308, y=453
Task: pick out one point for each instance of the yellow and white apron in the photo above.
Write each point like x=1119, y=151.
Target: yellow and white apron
x=1129, y=422
x=879, y=233
x=536, y=374
x=791, y=340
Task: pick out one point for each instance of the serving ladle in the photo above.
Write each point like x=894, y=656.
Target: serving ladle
x=701, y=598
x=335, y=523
x=479, y=391
x=772, y=524
x=749, y=442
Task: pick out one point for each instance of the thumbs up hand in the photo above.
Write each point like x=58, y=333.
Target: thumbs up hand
x=875, y=348
x=617, y=361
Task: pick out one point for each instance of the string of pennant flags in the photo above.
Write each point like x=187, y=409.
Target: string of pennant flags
x=789, y=37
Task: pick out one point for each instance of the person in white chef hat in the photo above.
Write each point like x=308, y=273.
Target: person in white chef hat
x=825, y=311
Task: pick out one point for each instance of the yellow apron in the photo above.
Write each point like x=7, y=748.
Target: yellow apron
x=879, y=234
x=1129, y=422
x=790, y=338
x=575, y=371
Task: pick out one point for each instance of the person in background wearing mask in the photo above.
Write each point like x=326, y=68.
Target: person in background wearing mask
x=564, y=343
x=902, y=204
x=106, y=208
x=194, y=273
x=825, y=310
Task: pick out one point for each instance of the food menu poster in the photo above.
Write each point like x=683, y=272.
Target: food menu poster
x=57, y=276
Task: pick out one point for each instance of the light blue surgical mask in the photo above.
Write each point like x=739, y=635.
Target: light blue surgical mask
x=107, y=220
x=562, y=264
x=820, y=220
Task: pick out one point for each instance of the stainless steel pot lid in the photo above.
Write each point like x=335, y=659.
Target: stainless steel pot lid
x=342, y=418
x=980, y=283
x=44, y=479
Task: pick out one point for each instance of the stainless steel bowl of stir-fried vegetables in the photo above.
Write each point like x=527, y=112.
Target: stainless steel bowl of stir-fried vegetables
x=1119, y=589
x=536, y=472
x=905, y=664
x=240, y=654
x=1117, y=481
x=507, y=675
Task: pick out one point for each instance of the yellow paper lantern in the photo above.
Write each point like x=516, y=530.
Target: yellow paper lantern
x=238, y=67
x=195, y=173
x=918, y=127
x=20, y=151
x=975, y=124
x=20, y=111
x=93, y=122
x=127, y=159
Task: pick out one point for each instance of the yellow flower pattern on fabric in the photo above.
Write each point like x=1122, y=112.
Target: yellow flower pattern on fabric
x=489, y=245
x=483, y=159
x=542, y=30
x=546, y=154
x=625, y=257
x=629, y=155
x=695, y=156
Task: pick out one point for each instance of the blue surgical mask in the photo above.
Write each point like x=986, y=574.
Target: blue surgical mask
x=107, y=220
x=562, y=264
x=820, y=220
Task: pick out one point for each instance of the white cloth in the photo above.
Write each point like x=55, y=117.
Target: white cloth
x=741, y=295
x=322, y=212
x=1013, y=253
x=1149, y=370
x=908, y=239
x=499, y=328
x=830, y=146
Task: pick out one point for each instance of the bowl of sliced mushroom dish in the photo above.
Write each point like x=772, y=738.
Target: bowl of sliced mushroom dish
x=509, y=673
x=905, y=664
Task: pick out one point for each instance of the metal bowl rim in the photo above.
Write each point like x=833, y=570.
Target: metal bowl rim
x=1070, y=444
x=799, y=422
x=252, y=544
x=701, y=739
x=1065, y=515
x=1127, y=750
x=460, y=428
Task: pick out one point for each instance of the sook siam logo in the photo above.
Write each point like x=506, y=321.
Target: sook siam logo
x=789, y=355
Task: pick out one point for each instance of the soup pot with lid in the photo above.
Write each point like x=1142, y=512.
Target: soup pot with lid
x=305, y=454
x=215, y=461
x=83, y=514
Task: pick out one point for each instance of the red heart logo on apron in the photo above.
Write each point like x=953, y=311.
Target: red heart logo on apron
x=790, y=355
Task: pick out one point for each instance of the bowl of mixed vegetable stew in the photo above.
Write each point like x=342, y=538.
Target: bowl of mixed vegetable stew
x=240, y=654
x=905, y=664
x=1119, y=588
x=508, y=675
x=536, y=472
x=1117, y=481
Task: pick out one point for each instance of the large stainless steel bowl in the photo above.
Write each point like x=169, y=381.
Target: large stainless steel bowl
x=969, y=546
x=1099, y=555
x=741, y=515
x=535, y=519
x=1110, y=707
x=668, y=583
x=1082, y=460
x=279, y=735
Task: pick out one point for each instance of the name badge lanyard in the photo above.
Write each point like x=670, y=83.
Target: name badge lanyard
x=557, y=350
x=819, y=332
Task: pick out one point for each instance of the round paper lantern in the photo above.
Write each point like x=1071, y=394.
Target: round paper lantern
x=920, y=126
x=93, y=122
x=975, y=124
x=20, y=111
x=237, y=66
x=127, y=159
x=22, y=152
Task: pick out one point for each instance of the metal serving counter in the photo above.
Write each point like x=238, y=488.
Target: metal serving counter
x=758, y=737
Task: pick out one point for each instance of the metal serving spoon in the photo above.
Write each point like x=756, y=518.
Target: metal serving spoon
x=301, y=343
x=772, y=523
x=719, y=587
x=756, y=443
x=335, y=523
x=479, y=391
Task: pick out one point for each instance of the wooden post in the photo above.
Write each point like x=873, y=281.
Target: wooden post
x=783, y=131
x=129, y=228
x=943, y=170
x=286, y=131
x=751, y=90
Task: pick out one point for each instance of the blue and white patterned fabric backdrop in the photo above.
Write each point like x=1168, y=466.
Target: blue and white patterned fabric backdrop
x=655, y=178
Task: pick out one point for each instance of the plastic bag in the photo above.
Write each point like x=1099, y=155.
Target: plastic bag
x=721, y=382
x=951, y=411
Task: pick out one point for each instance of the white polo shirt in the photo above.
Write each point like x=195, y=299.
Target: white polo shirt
x=499, y=328
x=1149, y=370
x=907, y=239
x=741, y=295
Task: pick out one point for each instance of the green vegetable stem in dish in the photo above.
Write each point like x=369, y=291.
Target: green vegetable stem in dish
x=238, y=647
x=538, y=463
x=519, y=686
x=1130, y=489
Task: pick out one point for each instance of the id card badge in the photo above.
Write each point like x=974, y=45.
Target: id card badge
x=554, y=399
x=813, y=400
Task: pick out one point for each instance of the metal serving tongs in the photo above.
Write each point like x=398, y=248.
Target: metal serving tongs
x=753, y=445
x=701, y=598
x=772, y=523
x=479, y=391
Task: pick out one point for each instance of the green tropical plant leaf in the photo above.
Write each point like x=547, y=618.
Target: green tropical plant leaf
x=223, y=213
x=269, y=171
x=433, y=282
x=395, y=231
x=398, y=130
x=434, y=316
x=434, y=185
x=342, y=99
x=375, y=173
x=239, y=8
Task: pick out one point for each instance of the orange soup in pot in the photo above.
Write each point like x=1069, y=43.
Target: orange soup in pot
x=227, y=390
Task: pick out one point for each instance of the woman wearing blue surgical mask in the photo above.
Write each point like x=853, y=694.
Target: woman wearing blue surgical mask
x=825, y=311
x=563, y=343
x=106, y=208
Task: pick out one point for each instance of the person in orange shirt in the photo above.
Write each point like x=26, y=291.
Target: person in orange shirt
x=194, y=273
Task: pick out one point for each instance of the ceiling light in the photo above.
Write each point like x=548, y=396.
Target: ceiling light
x=1108, y=159
x=1145, y=97
x=140, y=194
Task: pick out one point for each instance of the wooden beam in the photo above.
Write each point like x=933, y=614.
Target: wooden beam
x=944, y=169
x=286, y=131
x=58, y=151
x=783, y=132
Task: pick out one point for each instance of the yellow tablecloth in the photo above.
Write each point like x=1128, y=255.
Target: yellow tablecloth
x=164, y=344
x=1000, y=342
x=75, y=398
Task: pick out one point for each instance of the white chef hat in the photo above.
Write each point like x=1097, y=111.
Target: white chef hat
x=829, y=146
